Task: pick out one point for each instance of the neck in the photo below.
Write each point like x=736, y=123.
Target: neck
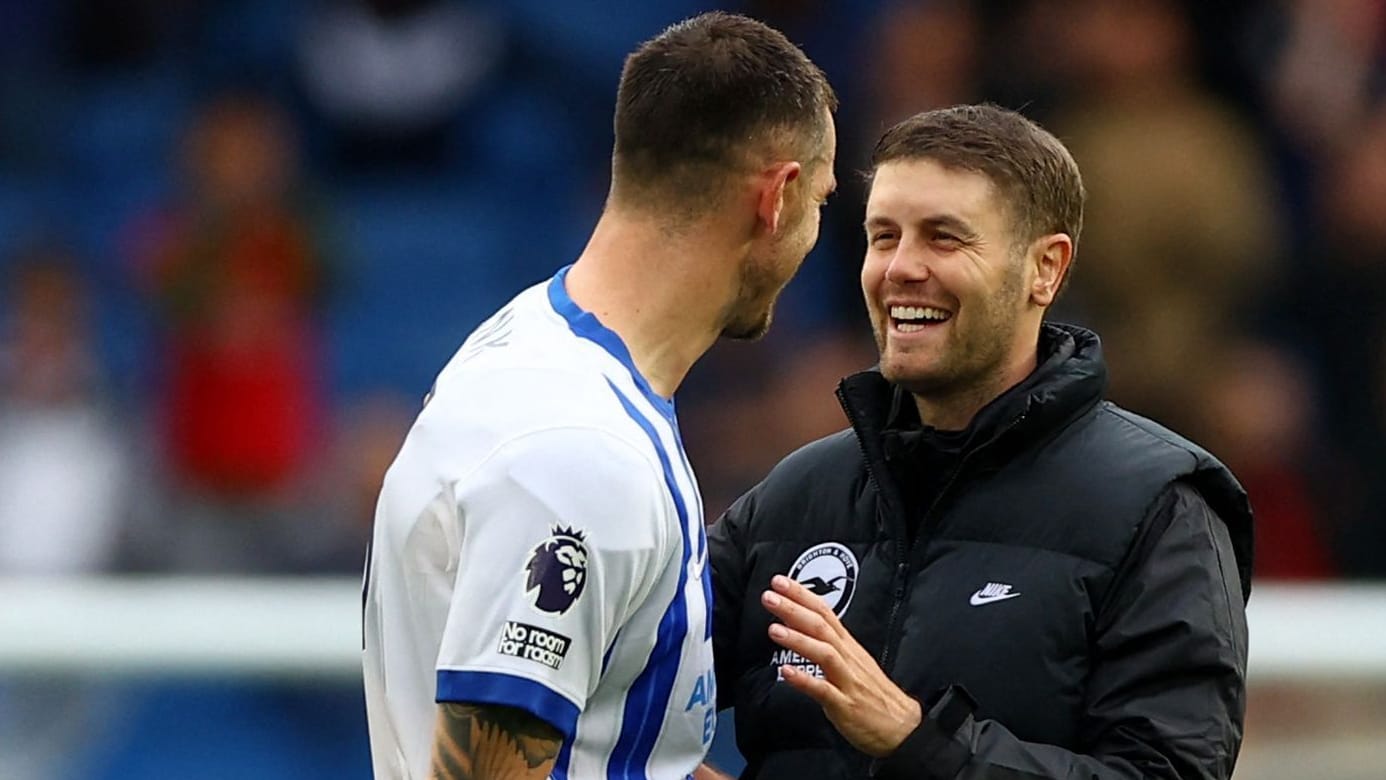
x=954, y=411
x=662, y=294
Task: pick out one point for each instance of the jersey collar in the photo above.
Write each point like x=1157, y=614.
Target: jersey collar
x=587, y=326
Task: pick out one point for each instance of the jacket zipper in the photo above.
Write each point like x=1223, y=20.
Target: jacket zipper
x=900, y=544
x=903, y=550
x=906, y=552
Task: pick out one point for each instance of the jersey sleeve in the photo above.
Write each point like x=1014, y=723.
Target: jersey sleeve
x=561, y=534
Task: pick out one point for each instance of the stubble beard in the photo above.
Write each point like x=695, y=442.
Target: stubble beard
x=750, y=313
x=972, y=359
x=749, y=318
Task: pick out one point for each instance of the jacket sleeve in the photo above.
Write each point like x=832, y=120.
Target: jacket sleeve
x=1166, y=694
x=726, y=544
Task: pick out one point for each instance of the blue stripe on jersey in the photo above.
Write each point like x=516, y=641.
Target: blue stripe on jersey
x=606, y=657
x=707, y=585
x=702, y=535
x=586, y=325
x=648, y=697
x=565, y=756
x=494, y=688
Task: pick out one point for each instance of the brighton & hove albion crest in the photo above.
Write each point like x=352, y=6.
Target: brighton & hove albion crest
x=557, y=570
x=828, y=570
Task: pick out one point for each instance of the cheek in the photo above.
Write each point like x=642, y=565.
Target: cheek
x=872, y=274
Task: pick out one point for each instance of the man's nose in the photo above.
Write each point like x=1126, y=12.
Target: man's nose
x=909, y=264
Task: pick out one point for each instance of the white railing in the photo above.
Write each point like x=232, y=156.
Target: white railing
x=302, y=627
x=185, y=625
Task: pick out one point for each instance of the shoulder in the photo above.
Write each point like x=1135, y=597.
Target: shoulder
x=484, y=408
x=1143, y=444
x=1125, y=427
x=1122, y=463
x=823, y=480
x=575, y=476
x=574, y=458
x=1114, y=445
x=825, y=457
x=576, y=450
x=823, y=467
x=539, y=432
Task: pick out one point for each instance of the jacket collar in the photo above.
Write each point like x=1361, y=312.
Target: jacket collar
x=1070, y=379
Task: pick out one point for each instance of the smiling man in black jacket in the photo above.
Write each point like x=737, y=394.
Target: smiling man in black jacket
x=993, y=573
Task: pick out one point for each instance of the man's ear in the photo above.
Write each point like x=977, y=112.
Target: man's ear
x=1053, y=254
x=773, y=181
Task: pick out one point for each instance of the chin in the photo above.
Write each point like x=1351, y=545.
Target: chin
x=753, y=323
x=747, y=331
x=915, y=378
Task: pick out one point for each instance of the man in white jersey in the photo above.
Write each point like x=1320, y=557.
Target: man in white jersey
x=537, y=598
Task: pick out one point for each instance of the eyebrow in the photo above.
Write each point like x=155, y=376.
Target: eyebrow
x=946, y=222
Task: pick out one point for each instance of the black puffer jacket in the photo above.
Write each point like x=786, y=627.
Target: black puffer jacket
x=1072, y=605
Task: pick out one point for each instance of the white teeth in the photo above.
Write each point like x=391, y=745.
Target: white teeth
x=910, y=313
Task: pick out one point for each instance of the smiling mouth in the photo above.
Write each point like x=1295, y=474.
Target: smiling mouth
x=912, y=319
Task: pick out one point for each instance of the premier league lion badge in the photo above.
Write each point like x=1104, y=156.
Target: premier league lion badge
x=557, y=570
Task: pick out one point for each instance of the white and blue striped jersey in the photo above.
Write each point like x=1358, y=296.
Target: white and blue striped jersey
x=539, y=544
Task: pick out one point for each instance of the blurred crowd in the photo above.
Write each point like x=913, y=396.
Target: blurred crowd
x=238, y=238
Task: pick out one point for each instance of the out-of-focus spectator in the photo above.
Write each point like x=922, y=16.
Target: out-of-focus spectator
x=236, y=270
x=366, y=438
x=761, y=400
x=1330, y=60
x=927, y=56
x=1338, y=303
x=1257, y=418
x=889, y=59
x=1180, y=237
x=64, y=474
x=390, y=76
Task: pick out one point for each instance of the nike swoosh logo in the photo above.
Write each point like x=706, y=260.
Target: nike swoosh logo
x=978, y=599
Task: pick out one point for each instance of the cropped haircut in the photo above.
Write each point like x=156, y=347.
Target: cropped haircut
x=1033, y=173
x=697, y=101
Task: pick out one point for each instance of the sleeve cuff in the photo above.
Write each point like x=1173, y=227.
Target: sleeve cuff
x=930, y=751
x=509, y=691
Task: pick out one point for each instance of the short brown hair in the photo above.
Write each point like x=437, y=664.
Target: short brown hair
x=1031, y=169
x=696, y=98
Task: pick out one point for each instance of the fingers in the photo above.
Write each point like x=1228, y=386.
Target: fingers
x=823, y=653
x=796, y=616
x=817, y=688
x=799, y=608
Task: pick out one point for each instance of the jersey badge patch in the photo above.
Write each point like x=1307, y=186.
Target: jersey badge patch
x=532, y=643
x=829, y=571
x=557, y=570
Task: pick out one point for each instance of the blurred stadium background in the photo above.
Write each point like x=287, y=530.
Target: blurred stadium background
x=237, y=239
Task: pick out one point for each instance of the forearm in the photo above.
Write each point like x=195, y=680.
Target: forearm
x=487, y=742
x=705, y=772
x=949, y=743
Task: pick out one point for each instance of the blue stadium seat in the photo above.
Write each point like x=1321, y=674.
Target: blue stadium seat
x=216, y=730
x=593, y=38
x=124, y=125
x=424, y=265
x=28, y=207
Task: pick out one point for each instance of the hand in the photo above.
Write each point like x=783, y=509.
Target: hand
x=861, y=702
x=705, y=772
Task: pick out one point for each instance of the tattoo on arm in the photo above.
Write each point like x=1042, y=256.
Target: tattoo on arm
x=490, y=742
